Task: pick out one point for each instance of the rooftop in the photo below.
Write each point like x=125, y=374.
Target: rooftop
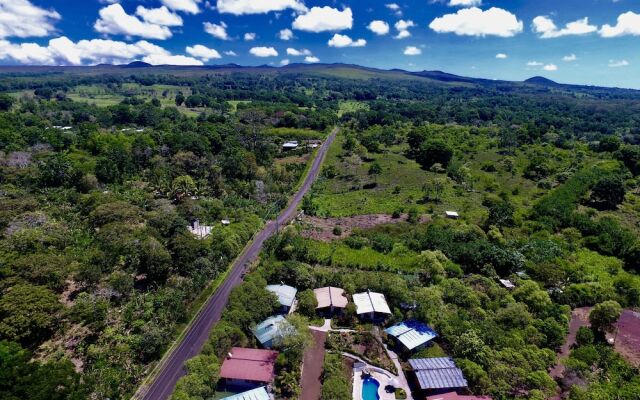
x=249, y=364
x=286, y=294
x=330, y=296
x=438, y=373
x=456, y=396
x=255, y=394
x=270, y=328
x=412, y=334
x=371, y=302
x=507, y=283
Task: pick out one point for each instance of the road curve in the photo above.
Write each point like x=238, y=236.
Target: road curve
x=198, y=332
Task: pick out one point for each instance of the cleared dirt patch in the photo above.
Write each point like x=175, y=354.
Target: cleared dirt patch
x=628, y=338
x=322, y=228
x=312, y=367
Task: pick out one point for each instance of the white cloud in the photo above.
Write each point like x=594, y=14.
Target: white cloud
x=465, y=3
x=628, y=24
x=115, y=21
x=618, y=63
x=322, y=19
x=339, y=40
x=160, y=59
x=550, y=67
x=476, y=22
x=159, y=16
x=295, y=52
x=569, y=58
x=188, y=6
x=378, y=27
x=285, y=34
x=284, y=62
x=547, y=29
x=62, y=51
x=501, y=56
x=240, y=7
x=392, y=6
x=263, y=51
x=311, y=59
x=535, y=64
x=216, y=30
x=249, y=36
x=230, y=53
x=202, y=52
x=402, y=26
x=412, y=51
x=20, y=18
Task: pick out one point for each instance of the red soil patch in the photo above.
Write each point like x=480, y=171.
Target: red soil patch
x=322, y=228
x=627, y=342
x=312, y=367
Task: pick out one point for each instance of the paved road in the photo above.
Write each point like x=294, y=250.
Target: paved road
x=198, y=332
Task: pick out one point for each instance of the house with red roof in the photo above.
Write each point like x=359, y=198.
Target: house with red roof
x=248, y=367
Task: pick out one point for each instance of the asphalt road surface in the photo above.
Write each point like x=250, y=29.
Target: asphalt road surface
x=198, y=332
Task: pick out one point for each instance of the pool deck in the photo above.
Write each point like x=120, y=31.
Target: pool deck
x=382, y=376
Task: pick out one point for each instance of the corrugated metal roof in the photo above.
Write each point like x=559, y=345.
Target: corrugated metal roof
x=330, y=296
x=412, y=334
x=271, y=328
x=255, y=394
x=371, y=302
x=249, y=364
x=437, y=373
x=286, y=294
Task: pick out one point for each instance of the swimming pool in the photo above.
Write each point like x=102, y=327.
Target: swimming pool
x=370, y=389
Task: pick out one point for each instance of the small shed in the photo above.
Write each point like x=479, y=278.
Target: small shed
x=225, y=222
x=271, y=330
x=198, y=230
x=452, y=214
x=245, y=367
x=330, y=299
x=290, y=145
x=412, y=334
x=437, y=373
x=286, y=296
x=259, y=393
x=507, y=283
x=371, y=305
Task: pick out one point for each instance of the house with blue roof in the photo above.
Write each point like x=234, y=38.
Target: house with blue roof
x=259, y=393
x=436, y=374
x=412, y=334
x=272, y=330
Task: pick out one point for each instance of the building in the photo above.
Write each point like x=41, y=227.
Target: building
x=253, y=394
x=507, y=283
x=330, y=300
x=200, y=231
x=286, y=296
x=437, y=373
x=372, y=306
x=291, y=145
x=452, y=214
x=248, y=367
x=271, y=330
x=456, y=396
x=412, y=334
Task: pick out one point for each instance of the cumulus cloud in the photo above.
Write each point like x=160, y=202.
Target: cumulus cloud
x=311, y=59
x=550, y=67
x=476, y=22
x=115, y=21
x=284, y=62
x=249, y=36
x=569, y=58
x=402, y=27
x=465, y=3
x=339, y=40
x=202, y=52
x=295, y=52
x=159, y=16
x=534, y=64
x=241, y=7
x=262, y=51
x=322, y=19
x=230, y=53
x=412, y=51
x=161, y=59
x=20, y=18
x=62, y=51
x=188, y=6
x=501, y=56
x=285, y=34
x=218, y=31
x=547, y=29
x=618, y=63
x=395, y=8
x=378, y=27
x=628, y=24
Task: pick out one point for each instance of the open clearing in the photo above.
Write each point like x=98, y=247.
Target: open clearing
x=628, y=338
x=322, y=228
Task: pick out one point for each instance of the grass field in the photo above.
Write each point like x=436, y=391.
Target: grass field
x=351, y=106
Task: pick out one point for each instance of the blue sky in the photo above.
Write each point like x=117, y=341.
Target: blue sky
x=572, y=41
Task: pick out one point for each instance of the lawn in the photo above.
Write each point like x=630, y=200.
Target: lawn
x=351, y=106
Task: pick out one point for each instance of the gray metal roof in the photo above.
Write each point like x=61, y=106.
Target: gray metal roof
x=255, y=394
x=411, y=334
x=286, y=294
x=438, y=373
x=272, y=328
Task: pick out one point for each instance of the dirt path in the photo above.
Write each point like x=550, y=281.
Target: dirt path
x=628, y=338
x=322, y=228
x=312, y=367
x=579, y=318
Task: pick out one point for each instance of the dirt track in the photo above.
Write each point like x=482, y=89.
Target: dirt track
x=312, y=367
x=579, y=318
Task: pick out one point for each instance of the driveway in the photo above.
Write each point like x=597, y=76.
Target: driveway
x=312, y=367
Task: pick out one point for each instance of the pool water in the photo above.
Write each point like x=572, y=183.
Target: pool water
x=370, y=389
